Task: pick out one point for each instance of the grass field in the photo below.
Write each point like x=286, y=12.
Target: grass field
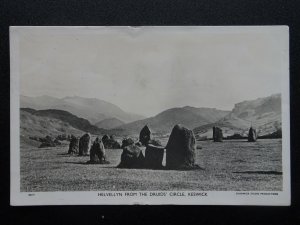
x=227, y=166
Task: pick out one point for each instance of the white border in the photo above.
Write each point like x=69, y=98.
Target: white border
x=279, y=198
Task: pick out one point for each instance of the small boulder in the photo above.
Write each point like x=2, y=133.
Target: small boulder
x=85, y=144
x=97, y=153
x=74, y=145
x=126, y=142
x=47, y=142
x=180, y=149
x=154, y=142
x=132, y=157
x=110, y=142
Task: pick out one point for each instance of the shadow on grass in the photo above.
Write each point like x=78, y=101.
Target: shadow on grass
x=163, y=168
x=64, y=154
x=88, y=163
x=261, y=172
x=71, y=155
x=236, y=140
x=78, y=163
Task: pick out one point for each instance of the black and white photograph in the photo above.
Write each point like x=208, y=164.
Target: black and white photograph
x=150, y=115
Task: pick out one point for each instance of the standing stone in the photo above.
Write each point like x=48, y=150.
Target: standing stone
x=85, y=144
x=154, y=156
x=180, y=150
x=97, y=153
x=132, y=157
x=217, y=134
x=74, y=145
x=252, y=136
x=145, y=135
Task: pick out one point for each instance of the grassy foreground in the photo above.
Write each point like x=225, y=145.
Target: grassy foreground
x=228, y=166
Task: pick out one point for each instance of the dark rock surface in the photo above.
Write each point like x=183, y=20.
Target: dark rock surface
x=74, y=145
x=154, y=157
x=105, y=138
x=145, y=135
x=217, y=134
x=97, y=153
x=126, y=142
x=110, y=142
x=85, y=144
x=252, y=136
x=180, y=150
x=132, y=157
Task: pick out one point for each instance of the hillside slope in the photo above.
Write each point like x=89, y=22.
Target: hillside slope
x=163, y=122
x=264, y=114
x=109, y=123
x=37, y=126
x=62, y=120
x=92, y=109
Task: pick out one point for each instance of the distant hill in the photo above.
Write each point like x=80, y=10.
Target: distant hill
x=92, y=109
x=38, y=126
x=163, y=122
x=264, y=114
x=52, y=120
x=109, y=123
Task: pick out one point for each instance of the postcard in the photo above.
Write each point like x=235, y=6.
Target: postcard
x=184, y=115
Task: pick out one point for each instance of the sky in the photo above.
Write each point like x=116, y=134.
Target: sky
x=146, y=70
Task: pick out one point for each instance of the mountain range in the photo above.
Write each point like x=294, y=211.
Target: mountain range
x=163, y=122
x=92, y=109
x=264, y=114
